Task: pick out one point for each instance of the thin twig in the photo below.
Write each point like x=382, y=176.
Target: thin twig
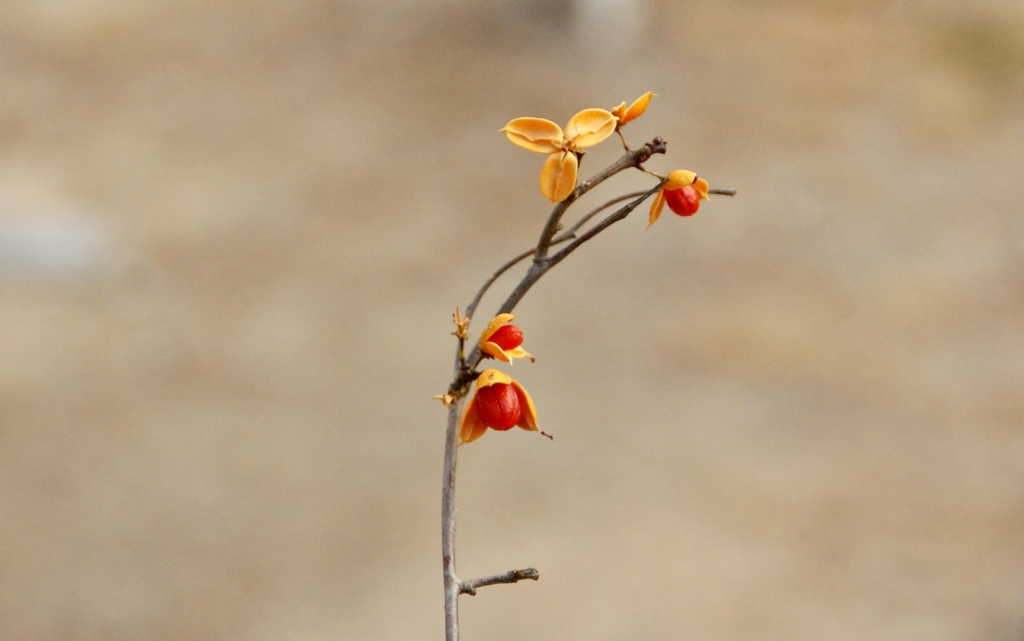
x=601, y=226
x=569, y=234
x=512, y=576
x=490, y=281
x=460, y=354
x=538, y=269
x=631, y=159
x=723, y=192
x=625, y=145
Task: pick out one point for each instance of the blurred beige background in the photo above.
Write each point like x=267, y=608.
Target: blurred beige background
x=232, y=234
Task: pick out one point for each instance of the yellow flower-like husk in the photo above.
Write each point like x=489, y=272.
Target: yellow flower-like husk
x=656, y=206
x=471, y=427
x=535, y=134
x=585, y=129
x=676, y=180
x=635, y=110
x=702, y=188
x=589, y=127
x=558, y=176
x=680, y=178
x=493, y=349
x=495, y=323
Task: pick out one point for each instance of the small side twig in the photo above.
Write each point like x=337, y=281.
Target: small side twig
x=571, y=232
x=512, y=576
x=539, y=268
x=490, y=281
x=631, y=159
x=625, y=145
x=567, y=235
x=601, y=226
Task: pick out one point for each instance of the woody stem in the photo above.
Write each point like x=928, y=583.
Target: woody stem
x=567, y=235
x=539, y=268
x=452, y=585
x=601, y=226
x=464, y=367
x=631, y=159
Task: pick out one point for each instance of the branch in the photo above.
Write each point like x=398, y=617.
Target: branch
x=569, y=234
x=512, y=576
x=490, y=281
x=538, y=269
x=601, y=226
x=631, y=159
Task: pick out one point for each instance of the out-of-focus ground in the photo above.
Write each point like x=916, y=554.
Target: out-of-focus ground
x=232, y=234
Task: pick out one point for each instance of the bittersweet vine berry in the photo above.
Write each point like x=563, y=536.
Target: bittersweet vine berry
x=501, y=408
x=498, y=406
x=507, y=337
x=502, y=341
x=683, y=193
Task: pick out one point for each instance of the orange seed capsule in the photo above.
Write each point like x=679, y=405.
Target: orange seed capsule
x=684, y=201
x=498, y=406
x=507, y=337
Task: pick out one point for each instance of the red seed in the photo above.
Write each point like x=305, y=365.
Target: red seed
x=684, y=201
x=507, y=337
x=498, y=406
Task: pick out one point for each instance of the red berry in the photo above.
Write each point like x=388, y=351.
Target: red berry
x=684, y=201
x=507, y=337
x=498, y=406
